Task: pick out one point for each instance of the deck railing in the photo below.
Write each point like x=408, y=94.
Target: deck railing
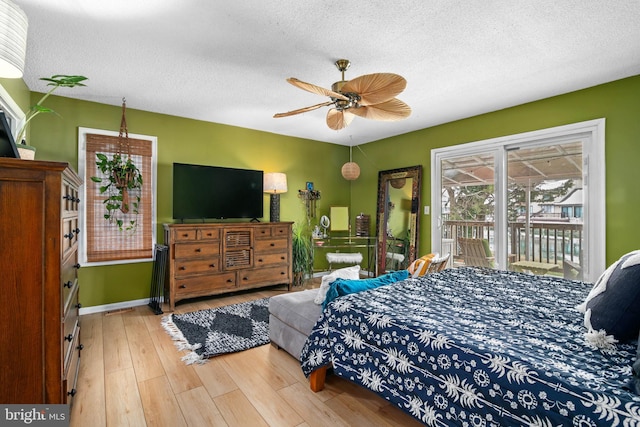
x=549, y=242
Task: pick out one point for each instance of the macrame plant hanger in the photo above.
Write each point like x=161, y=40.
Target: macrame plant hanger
x=124, y=177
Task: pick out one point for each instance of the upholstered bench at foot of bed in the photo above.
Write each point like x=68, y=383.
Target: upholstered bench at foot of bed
x=292, y=316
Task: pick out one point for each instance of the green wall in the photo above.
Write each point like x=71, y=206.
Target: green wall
x=618, y=102
x=191, y=141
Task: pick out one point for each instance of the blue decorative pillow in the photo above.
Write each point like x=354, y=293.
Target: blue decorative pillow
x=342, y=287
x=612, y=304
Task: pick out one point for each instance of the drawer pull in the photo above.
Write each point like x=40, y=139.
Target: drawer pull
x=260, y=260
x=72, y=392
x=68, y=284
x=212, y=265
x=245, y=278
x=78, y=306
x=69, y=337
x=185, y=235
x=229, y=280
x=282, y=273
x=198, y=250
x=76, y=266
x=282, y=258
x=183, y=268
x=272, y=244
x=80, y=347
x=77, y=231
x=69, y=236
x=183, y=286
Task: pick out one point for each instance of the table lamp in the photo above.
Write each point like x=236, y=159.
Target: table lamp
x=274, y=184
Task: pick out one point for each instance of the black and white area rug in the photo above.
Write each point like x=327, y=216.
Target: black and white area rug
x=209, y=333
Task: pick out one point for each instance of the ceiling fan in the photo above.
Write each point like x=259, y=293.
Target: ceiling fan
x=371, y=96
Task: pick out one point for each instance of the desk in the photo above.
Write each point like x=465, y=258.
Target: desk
x=348, y=244
x=540, y=268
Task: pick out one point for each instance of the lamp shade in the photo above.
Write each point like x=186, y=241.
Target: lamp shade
x=13, y=40
x=350, y=171
x=275, y=183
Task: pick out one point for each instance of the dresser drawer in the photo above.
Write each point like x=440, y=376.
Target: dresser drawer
x=72, y=368
x=263, y=232
x=70, y=232
x=70, y=200
x=271, y=245
x=271, y=259
x=205, y=285
x=69, y=275
x=262, y=276
x=281, y=230
x=70, y=322
x=188, y=267
x=196, y=249
x=186, y=235
x=208, y=234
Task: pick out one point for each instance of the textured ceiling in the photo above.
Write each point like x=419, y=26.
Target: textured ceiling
x=226, y=62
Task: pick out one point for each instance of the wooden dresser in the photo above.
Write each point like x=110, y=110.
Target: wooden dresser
x=214, y=258
x=39, y=321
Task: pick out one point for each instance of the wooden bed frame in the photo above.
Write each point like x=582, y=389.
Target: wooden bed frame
x=317, y=377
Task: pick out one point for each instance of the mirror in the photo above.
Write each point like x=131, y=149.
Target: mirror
x=397, y=218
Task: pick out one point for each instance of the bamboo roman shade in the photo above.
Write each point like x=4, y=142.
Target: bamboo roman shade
x=105, y=242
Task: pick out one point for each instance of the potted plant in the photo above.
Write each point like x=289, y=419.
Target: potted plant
x=302, y=251
x=59, y=80
x=122, y=181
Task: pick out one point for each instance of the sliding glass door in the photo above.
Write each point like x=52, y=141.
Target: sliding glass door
x=523, y=202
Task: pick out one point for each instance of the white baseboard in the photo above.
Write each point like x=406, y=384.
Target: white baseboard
x=115, y=306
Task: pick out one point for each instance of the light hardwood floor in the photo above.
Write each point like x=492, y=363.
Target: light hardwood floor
x=131, y=375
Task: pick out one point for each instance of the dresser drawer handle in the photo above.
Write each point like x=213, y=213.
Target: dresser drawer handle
x=283, y=258
x=69, y=337
x=212, y=265
x=245, y=278
x=272, y=244
x=80, y=347
x=76, y=266
x=72, y=392
x=78, y=306
x=229, y=280
x=260, y=260
x=183, y=286
x=69, y=236
x=68, y=284
x=198, y=250
x=183, y=268
x=282, y=273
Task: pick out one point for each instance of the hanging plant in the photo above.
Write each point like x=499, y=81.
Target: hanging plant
x=122, y=183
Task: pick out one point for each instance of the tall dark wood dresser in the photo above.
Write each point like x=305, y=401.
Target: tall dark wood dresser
x=39, y=320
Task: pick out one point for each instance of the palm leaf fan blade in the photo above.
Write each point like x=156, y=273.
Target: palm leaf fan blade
x=390, y=111
x=376, y=88
x=316, y=89
x=302, y=110
x=337, y=119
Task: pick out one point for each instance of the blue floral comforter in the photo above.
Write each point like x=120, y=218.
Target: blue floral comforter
x=477, y=347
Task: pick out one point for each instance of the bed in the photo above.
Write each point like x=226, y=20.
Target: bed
x=476, y=347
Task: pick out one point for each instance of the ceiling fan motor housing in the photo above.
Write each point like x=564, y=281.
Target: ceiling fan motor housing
x=342, y=104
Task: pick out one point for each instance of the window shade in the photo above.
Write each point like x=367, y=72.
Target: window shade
x=105, y=241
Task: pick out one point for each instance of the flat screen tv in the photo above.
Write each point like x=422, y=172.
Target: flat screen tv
x=7, y=144
x=213, y=192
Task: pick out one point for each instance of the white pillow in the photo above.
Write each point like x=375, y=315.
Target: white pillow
x=349, y=273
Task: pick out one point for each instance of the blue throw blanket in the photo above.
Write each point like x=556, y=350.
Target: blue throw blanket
x=477, y=347
x=341, y=287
